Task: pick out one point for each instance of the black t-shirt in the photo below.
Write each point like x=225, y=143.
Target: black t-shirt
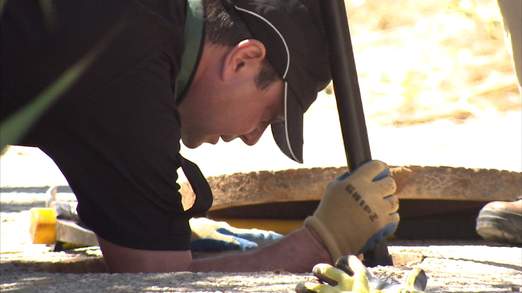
x=115, y=134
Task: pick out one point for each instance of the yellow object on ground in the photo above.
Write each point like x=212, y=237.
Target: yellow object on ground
x=43, y=225
x=337, y=280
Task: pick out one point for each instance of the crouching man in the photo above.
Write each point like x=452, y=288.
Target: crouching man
x=171, y=70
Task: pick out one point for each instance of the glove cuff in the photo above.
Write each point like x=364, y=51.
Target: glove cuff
x=327, y=238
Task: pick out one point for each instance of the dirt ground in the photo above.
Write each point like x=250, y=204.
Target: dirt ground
x=438, y=89
x=451, y=266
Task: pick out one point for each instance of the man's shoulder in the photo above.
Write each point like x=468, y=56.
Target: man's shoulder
x=171, y=11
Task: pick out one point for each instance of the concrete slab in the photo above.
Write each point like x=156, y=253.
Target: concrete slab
x=413, y=182
x=452, y=266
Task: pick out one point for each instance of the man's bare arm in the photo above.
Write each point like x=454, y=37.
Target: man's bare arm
x=297, y=252
x=357, y=211
x=120, y=259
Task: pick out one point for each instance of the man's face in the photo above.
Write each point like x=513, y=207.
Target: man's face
x=230, y=110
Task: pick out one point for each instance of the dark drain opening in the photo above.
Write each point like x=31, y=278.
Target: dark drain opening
x=420, y=219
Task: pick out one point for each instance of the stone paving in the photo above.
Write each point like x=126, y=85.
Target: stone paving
x=451, y=266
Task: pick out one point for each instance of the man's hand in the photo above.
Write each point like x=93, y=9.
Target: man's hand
x=210, y=235
x=357, y=211
x=361, y=280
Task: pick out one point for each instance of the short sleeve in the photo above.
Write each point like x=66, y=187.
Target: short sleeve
x=118, y=149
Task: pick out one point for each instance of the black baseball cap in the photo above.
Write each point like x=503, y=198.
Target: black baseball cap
x=296, y=45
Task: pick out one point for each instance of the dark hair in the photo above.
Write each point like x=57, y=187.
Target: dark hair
x=222, y=28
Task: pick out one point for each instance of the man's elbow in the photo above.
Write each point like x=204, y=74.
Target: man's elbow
x=120, y=259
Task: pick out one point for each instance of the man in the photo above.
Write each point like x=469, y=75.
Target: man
x=498, y=220
x=115, y=133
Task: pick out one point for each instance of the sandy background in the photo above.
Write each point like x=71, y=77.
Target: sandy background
x=438, y=89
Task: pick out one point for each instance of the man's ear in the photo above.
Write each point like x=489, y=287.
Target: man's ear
x=244, y=60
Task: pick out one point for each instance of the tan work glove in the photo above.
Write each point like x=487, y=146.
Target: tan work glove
x=357, y=211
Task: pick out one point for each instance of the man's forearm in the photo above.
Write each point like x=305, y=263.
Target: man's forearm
x=297, y=252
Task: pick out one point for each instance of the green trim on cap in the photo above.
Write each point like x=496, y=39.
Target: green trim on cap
x=194, y=36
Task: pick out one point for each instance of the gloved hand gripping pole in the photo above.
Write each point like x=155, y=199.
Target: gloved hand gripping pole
x=349, y=105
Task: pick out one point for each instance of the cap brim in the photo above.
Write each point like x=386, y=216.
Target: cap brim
x=288, y=134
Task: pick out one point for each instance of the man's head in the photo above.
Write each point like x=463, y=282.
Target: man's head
x=263, y=63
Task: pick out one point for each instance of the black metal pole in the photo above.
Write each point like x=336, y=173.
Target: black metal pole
x=346, y=84
x=348, y=96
